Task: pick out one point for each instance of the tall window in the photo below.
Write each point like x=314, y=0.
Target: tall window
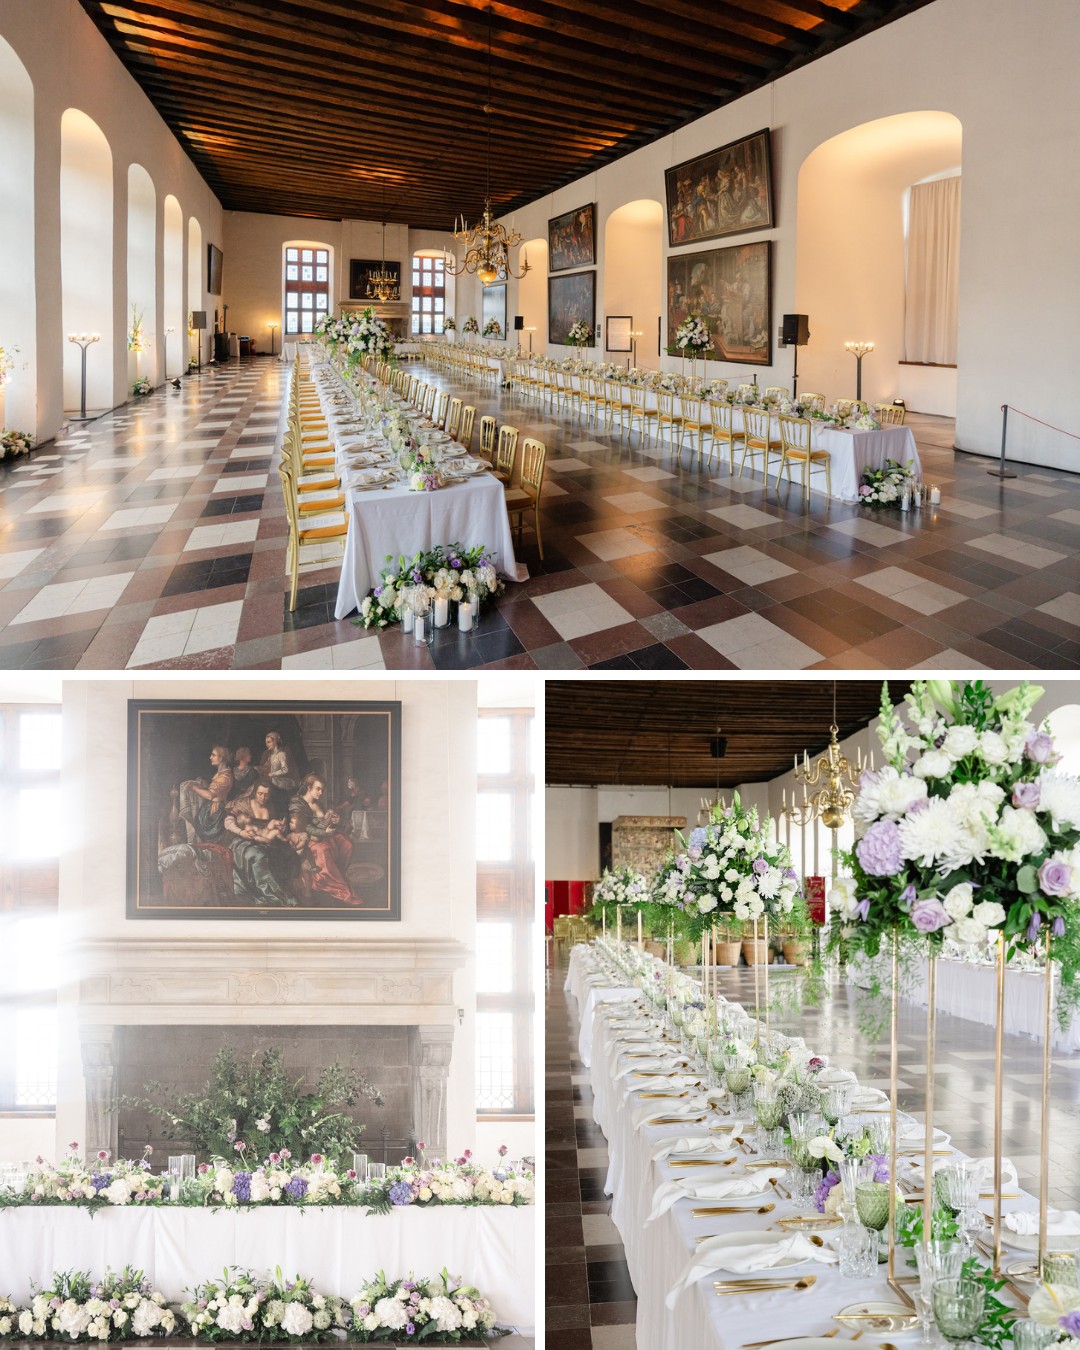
x=506, y=916
x=428, y=294
x=307, y=287
x=31, y=827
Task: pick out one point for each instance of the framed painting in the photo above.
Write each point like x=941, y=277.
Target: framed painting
x=572, y=239
x=275, y=811
x=727, y=191
x=494, y=306
x=571, y=298
x=360, y=269
x=619, y=333
x=731, y=289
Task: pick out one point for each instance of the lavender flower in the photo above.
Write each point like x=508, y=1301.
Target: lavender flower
x=929, y=915
x=296, y=1188
x=1058, y=927
x=760, y=867
x=1055, y=877
x=1034, y=926
x=830, y=1180
x=862, y=911
x=879, y=850
x=881, y=1166
x=410, y=1328
x=400, y=1193
x=1026, y=794
x=241, y=1187
x=1039, y=747
x=1071, y=1323
x=100, y=1180
x=907, y=896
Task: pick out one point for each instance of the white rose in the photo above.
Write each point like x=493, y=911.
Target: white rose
x=371, y=1322
x=960, y=741
x=990, y=914
x=992, y=748
x=958, y=901
x=710, y=867
x=706, y=903
x=934, y=764
x=969, y=932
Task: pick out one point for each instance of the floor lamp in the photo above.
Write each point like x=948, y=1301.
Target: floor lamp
x=83, y=343
x=273, y=332
x=858, y=351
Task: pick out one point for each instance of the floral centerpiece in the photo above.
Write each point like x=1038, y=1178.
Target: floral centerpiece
x=493, y=329
x=968, y=832
x=137, y=340
x=368, y=336
x=470, y=325
x=7, y=365
x=440, y=1311
x=92, y=1183
x=469, y=571
x=14, y=443
x=257, y=1104
x=142, y=386
x=867, y=422
x=624, y=886
x=886, y=486
x=729, y=867
x=119, y=1307
x=241, y=1307
x=449, y=326
x=693, y=335
x=276, y=1180
x=458, y=1181
x=579, y=334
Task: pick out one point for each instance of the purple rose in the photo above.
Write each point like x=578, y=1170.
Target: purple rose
x=1039, y=746
x=1034, y=926
x=1026, y=794
x=879, y=850
x=1058, y=927
x=929, y=915
x=1055, y=878
x=760, y=867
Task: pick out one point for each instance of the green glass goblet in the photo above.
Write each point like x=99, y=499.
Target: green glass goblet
x=958, y=1308
x=872, y=1204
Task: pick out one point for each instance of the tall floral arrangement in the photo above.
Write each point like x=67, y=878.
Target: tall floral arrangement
x=368, y=336
x=729, y=868
x=693, y=335
x=137, y=339
x=971, y=830
x=624, y=886
x=579, y=334
x=470, y=325
x=493, y=329
x=449, y=326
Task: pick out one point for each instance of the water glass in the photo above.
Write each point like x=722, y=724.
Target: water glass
x=1031, y=1336
x=936, y=1260
x=360, y=1166
x=376, y=1171
x=836, y=1102
x=858, y=1252
x=853, y=1173
x=957, y=1186
x=176, y=1176
x=770, y=1112
x=804, y=1182
x=958, y=1308
x=872, y=1204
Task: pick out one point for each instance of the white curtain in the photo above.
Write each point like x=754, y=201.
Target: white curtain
x=933, y=272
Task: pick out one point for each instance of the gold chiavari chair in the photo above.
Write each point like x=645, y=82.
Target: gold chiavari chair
x=666, y=416
x=639, y=410
x=316, y=530
x=613, y=401
x=428, y=406
x=506, y=453
x=439, y=415
x=796, y=448
x=777, y=391
x=315, y=482
x=722, y=429
x=748, y=389
x=694, y=422
x=589, y=396
x=813, y=401
x=890, y=414
x=487, y=437
x=468, y=416
x=520, y=500
x=758, y=440
x=453, y=418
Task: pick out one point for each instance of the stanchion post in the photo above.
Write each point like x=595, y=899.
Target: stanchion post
x=1001, y=471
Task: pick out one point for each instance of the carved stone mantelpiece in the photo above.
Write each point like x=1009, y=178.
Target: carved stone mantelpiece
x=642, y=841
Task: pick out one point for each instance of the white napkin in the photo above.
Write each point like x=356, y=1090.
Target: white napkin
x=910, y=1134
x=368, y=476
x=638, y=1065
x=834, y=1077
x=699, y=1188
x=1059, y=1222
x=675, y=1080
x=702, y=1143
x=744, y=1259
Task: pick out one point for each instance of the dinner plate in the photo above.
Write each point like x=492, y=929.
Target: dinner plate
x=1029, y=1242
x=752, y=1238
x=874, y=1316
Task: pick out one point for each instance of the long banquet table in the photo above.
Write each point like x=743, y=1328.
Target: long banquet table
x=492, y=1247
x=657, y=1253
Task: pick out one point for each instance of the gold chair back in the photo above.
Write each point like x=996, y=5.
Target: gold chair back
x=890, y=414
x=487, y=437
x=453, y=418
x=468, y=417
x=506, y=452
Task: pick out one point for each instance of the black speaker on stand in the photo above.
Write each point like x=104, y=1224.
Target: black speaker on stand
x=795, y=332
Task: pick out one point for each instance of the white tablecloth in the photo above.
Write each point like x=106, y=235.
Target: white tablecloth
x=589, y=990
x=492, y=1248
x=657, y=1253
x=396, y=521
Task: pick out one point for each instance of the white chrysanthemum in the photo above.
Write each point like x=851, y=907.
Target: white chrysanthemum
x=1059, y=798
x=769, y=882
x=958, y=901
x=390, y=1313
x=934, y=764
x=297, y=1320
x=990, y=914
x=929, y=834
x=960, y=741
x=1020, y=835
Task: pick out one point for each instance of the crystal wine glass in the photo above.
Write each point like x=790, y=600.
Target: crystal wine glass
x=958, y=1309
x=936, y=1260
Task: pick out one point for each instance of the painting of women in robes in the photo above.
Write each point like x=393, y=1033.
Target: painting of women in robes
x=215, y=834
x=727, y=191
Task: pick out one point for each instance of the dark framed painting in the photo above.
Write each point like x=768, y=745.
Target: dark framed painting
x=572, y=239
x=494, y=306
x=360, y=270
x=731, y=289
x=727, y=191
x=214, y=261
x=277, y=810
x=571, y=298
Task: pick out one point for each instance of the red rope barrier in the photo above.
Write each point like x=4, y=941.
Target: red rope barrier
x=1041, y=423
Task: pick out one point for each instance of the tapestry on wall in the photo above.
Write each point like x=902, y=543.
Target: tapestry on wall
x=282, y=810
x=731, y=289
x=727, y=191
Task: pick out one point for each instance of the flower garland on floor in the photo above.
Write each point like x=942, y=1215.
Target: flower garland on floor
x=243, y=1307
x=13, y=443
x=119, y=1307
x=729, y=868
x=886, y=486
x=438, y=1311
x=447, y=569
x=969, y=832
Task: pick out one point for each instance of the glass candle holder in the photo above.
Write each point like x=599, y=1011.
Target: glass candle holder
x=1029, y=1335
x=1061, y=1268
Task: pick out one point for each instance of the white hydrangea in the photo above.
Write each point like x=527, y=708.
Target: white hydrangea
x=388, y=1312
x=231, y=1318
x=297, y=1320
x=445, y=1313
x=275, y=1311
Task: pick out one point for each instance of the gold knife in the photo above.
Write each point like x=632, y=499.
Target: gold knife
x=701, y=1162
x=761, y=1345
x=721, y=1287
x=712, y=1211
x=663, y=1094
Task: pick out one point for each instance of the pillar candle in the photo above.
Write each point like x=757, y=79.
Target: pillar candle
x=464, y=618
x=442, y=611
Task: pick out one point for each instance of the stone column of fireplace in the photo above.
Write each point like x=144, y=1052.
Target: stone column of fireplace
x=99, y=1073
x=429, y=1053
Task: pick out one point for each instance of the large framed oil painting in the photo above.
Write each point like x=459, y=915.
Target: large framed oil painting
x=360, y=272
x=572, y=239
x=275, y=811
x=727, y=191
x=731, y=289
x=571, y=298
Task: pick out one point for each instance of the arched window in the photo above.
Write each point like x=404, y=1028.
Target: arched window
x=307, y=286
x=428, y=293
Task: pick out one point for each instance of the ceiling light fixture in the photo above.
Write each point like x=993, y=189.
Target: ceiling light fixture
x=383, y=285
x=488, y=243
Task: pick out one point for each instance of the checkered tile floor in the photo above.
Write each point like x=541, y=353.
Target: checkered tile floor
x=155, y=538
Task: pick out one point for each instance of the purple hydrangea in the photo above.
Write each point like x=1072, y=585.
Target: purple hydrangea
x=698, y=837
x=296, y=1188
x=829, y=1180
x=241, y=1187
x=400, y=1193
x=100, y=1180
x=879, y=850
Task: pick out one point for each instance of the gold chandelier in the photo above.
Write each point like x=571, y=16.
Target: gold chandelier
x=487, y=243
x=382, y=284
x=838, y=777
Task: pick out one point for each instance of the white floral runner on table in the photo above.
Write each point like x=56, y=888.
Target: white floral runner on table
x=338, y=1248
x=662, y=1253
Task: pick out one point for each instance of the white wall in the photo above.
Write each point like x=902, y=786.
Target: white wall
x=1006, y=71
x=571, y=843
x=72, y=66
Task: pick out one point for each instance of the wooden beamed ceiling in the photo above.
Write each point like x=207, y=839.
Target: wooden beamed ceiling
x=369, y=109
x=659, y=732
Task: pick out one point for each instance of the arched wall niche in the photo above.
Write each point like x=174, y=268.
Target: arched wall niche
x=850, y=256
x=174, y=342
x=18, y=327
x=142, y=273
x=634, y=273
x=532, y=296
x=196, y=296
x=86, y=258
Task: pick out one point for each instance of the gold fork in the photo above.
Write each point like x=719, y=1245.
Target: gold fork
x=760, y=1345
